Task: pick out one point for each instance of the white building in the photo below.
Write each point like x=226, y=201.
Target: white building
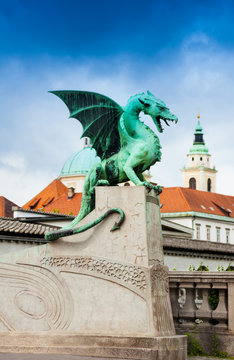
x=210, y=215
x=196, y=205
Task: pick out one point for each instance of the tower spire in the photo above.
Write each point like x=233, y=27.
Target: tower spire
x=198, y=133
x=198, y=173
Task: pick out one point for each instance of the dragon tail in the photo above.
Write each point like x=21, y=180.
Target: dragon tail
x=68, y=229
x=52, y=236
x=87, y=205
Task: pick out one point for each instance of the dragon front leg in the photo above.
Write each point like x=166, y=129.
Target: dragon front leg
x=150, y=186
x=131, y=163
x=139, y=179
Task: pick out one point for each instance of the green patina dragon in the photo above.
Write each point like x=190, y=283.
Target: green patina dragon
x=126, y=146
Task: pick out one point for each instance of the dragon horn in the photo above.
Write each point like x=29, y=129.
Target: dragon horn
x=149, y=93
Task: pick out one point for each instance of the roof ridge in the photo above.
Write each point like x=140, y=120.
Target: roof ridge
x=210, y=193
x=185, y=199
x=58, y=186
x=55, y=187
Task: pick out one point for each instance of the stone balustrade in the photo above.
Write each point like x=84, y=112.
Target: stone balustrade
x=191, y=301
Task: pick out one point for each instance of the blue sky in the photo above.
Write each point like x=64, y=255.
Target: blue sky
x=182, y=51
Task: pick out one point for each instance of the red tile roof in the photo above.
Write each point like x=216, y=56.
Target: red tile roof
x=178, y=199
x=52, y=192
x=54, y=198
x=6, y=207
x=64, y=205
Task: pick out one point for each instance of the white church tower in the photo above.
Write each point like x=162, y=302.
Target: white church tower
x=198, y=173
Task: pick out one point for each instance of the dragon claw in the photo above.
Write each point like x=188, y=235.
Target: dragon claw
x=149, y=186
x=103, y=183
x=157, y=189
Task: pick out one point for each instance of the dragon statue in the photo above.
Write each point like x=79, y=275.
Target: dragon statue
x=126, y=146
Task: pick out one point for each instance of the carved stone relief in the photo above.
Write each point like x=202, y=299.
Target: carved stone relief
x=35, y=299
x=162, y=318
x=159, y=272
x=130, y=276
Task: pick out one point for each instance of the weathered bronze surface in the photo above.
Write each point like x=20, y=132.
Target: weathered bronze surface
x=126, y=146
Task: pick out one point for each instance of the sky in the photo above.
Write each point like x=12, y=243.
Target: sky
x=182, y=51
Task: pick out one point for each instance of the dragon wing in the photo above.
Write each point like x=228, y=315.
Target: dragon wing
x=99, y=116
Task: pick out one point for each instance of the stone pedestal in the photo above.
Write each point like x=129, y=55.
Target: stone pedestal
x=97, y=294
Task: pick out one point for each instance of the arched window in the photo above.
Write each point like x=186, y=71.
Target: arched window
x=209, y=185
x=192, y=183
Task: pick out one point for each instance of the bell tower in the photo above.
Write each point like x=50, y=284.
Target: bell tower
x=198, y=173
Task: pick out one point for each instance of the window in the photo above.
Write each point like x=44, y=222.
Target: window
x=192, y=158
x=218, y=234
x=192, y=183
x=209, y=185
x=227, y=235
x=198, y=231
x=208, y=232
x=201, y=158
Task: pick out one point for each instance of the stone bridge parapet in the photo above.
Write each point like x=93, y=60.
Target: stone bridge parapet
x=203, y=305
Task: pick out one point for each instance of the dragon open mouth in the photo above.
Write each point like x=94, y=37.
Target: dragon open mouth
x=159, y=124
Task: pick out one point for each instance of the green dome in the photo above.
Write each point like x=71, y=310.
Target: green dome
x=80, y=162
x=199, y=149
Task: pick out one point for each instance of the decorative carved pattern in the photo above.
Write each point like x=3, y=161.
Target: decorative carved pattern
x=132, y=275
x=37, y=299
x=159, y=272
x=30, y=304
x=162, y=316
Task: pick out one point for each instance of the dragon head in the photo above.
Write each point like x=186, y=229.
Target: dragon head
x=157, y=109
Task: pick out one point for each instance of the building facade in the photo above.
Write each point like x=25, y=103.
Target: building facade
x=210, y=215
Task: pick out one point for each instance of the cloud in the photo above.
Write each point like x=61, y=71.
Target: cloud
x=197, y=40
x=13, y=161
x=37, y=136
x=18, y=181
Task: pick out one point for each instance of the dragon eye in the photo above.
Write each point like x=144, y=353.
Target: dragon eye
x=144, y=103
